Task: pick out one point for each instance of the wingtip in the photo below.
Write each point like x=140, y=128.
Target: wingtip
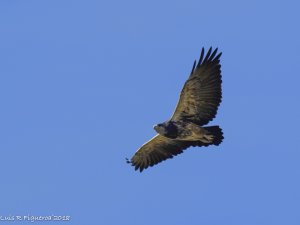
x=218, y=56
x=201, y=57
x=128, y=161
x=211, y=58
x=194, y=65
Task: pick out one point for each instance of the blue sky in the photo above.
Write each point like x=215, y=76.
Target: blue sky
x=83, y=82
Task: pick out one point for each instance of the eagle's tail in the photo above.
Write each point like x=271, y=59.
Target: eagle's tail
x=216, y=131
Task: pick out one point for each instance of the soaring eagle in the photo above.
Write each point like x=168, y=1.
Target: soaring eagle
x=198, y=104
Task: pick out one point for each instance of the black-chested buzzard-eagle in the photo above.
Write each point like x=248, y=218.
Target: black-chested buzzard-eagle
x=198, y=104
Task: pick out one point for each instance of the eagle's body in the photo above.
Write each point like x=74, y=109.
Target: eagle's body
x=183, y=131
x=198, y=104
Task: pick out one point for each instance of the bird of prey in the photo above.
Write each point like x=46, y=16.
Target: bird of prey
x=198, y=104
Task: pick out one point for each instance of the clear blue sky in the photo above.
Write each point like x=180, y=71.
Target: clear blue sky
x=83, y=82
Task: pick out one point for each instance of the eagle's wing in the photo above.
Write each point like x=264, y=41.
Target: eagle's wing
x=158, y=149
x=202, y=93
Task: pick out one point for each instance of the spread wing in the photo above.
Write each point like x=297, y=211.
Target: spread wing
x=202, y=92
x=158, y=149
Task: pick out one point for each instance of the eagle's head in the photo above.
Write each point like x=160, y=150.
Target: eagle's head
x=160, y=128
x=167, y=129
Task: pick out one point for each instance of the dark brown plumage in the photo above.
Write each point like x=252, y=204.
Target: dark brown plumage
x=201, y=94
x=198, y=104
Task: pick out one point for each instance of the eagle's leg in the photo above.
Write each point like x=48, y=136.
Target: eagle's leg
x=207, y=138
x=199, y=133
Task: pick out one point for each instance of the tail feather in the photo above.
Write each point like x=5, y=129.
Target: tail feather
x=216, y=131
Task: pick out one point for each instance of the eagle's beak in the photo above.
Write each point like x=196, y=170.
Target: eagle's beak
x=157, y=128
